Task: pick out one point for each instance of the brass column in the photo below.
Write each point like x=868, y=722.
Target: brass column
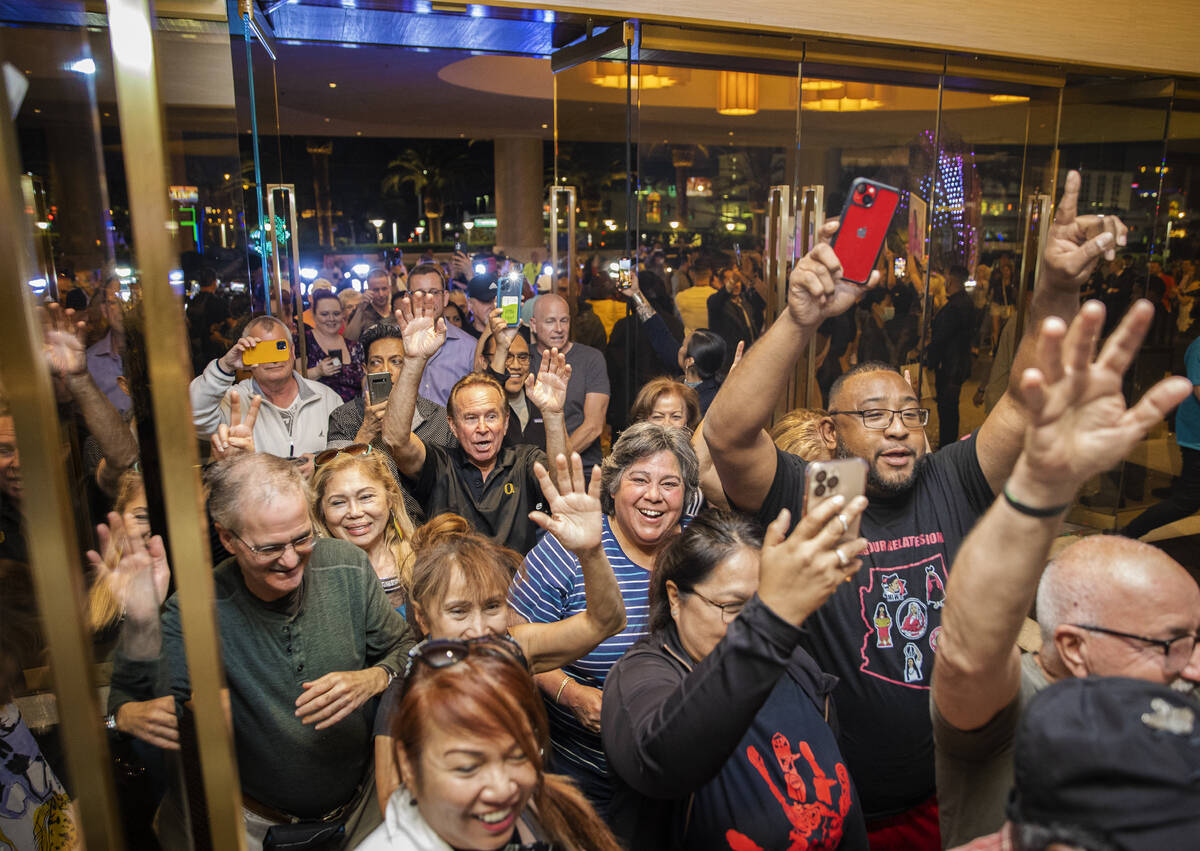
x=136, y=77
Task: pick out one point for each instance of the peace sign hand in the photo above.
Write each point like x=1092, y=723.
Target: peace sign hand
x=237, y=438
x=576, y=516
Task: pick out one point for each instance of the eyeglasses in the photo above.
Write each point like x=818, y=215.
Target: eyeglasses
x=521, y=358
x=301, y=545
x=729, y=611
x=443, y=652
x=329, y=454
x=1177, y=651
x=881, y=418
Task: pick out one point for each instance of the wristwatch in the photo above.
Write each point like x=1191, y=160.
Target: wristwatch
x=110, y=722
x=388, y=670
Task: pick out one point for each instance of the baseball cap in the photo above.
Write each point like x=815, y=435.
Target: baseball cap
x=482, y=287
x=1113, y=757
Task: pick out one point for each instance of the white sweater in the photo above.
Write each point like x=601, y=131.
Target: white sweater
x=272, y=432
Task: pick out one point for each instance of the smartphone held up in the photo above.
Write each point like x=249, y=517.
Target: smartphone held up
x=863, y=227
x=846, y=477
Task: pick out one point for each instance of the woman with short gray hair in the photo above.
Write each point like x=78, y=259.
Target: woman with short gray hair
x=646, y=483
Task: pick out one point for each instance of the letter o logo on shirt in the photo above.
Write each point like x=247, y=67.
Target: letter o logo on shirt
x=509, y=488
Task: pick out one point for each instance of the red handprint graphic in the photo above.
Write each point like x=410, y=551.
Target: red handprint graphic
x=805, y=816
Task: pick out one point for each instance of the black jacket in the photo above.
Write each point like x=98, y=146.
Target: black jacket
x=669, y=724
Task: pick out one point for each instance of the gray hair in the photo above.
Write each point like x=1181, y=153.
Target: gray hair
x=237, y=483
x=642, y=440
x=266, y=319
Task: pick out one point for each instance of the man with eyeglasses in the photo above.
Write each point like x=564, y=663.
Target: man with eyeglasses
x=880, y=632
x=308, y=638
x=484, y=479
x=1106, y=605
x=456, y=357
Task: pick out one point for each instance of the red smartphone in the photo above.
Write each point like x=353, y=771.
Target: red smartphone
x=863, y=227
x=844, y=476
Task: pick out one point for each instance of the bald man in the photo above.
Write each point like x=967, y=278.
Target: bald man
x=588, y=389
x=1106, y=605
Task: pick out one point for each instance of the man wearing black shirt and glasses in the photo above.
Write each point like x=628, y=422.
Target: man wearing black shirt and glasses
x=879, y=633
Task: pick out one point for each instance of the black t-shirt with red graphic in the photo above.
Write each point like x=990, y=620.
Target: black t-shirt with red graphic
x=782, y=790
x=878, y=633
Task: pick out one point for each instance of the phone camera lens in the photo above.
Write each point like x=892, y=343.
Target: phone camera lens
x=821, y=476
x=281, y=345
x=832, y=483
x=868, y=200
x=820, y=490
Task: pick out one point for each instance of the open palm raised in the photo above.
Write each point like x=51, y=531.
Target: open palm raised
x=421, y=325
x=548, y=389
x=575, y=518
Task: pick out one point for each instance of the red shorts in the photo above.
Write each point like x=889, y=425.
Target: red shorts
x=912, y=830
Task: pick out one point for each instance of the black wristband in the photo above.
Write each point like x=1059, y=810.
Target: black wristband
x=1029, y=510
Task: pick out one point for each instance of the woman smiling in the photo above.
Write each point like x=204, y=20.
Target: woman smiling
x=470, y=735
x=645, y=484
x=357, y=499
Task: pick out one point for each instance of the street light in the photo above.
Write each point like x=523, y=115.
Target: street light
x=378, y=223
x=420, y=229
x=729, y=226
x=674, y=225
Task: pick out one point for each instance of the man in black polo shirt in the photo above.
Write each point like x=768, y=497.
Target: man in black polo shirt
x=485, y=480
x=878, y=634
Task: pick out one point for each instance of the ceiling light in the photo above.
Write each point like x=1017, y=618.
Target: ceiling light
x=737, y=93
x=333, y=85
x=611, y=75
x=1008, y=98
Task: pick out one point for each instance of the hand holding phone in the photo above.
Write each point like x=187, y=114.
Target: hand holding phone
x=846, y=477
x=266, y=351
x=508, y=296
x=379, y=387
x=863, y=228
x=624, y=273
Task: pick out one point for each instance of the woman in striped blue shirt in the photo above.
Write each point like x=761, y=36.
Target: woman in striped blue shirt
x=646, y=482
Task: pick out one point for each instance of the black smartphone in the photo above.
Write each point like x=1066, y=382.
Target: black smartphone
x=379, y=386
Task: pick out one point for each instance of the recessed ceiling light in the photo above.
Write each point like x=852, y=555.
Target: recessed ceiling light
x=333, y=85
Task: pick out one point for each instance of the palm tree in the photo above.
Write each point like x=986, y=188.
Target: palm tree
x=432, y=169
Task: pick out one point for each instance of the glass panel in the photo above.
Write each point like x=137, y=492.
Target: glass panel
x=995, y=160
x=1114, y=133
x=597, y=108
x=873, y=128
x=711, y=143
x=1168, y=466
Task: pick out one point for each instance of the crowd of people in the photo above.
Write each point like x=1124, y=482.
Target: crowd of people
x=482, y=584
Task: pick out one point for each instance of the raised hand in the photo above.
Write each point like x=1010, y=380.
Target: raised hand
x=499, y=328
x=816, y=288
x=423, y=329
x=575, y=518
x=737, y=355
x=1079, y=422
x=548, y=389
x=237, y=438
x=231, y=361
x=63, y=340
x=137, y=573
x=1075, y=243
x=802, y=570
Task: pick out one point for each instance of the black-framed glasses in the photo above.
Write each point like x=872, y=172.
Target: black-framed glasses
x=521, y=358
x=881, y=418
x=729, y=611
x=301, y=545
x=444, y=652
x=1177, y=651
x=327, y=455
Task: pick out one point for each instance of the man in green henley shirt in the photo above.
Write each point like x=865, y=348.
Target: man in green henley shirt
x=308, y=639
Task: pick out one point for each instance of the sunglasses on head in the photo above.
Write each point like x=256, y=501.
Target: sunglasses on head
x=329, y=454
x=440, y=653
